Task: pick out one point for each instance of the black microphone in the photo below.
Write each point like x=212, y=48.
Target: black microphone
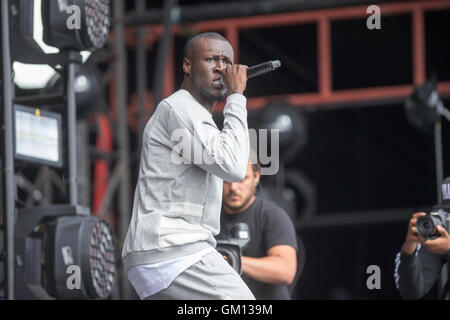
x=262, y=68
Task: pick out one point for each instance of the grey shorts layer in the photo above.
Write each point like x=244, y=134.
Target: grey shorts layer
x=211, y=278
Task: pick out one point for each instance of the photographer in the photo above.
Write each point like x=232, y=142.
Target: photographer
x=269, y=262
x=422, y=264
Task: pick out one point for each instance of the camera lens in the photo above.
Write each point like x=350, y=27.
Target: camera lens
x=231, y=254
x=425, y=226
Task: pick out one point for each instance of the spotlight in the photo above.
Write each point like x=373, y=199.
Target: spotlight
x=94, y=22
x=295, y=193
x=101, y=261
x=424, y=109
x=421, y=107
x=84, y=242
x=87, y=88
x=291, y=124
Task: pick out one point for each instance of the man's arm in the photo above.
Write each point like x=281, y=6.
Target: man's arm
x=198, y=141
x=418, y=267
x=280, y=240
x=416, y=273
x=222, y=153
x=279, y=266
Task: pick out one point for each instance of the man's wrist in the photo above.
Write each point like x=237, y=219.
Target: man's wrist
x=235, y=93
x=409, y=248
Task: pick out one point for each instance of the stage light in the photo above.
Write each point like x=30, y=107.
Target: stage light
x=87, y=88
x=296, y=194
x=90, y=34
x=101, y=260
x=83, y=242
x=424, y=109
x=27, y=42
x=291, y=124
x=421, y=107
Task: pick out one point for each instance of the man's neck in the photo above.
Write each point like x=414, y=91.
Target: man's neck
x=209, y=105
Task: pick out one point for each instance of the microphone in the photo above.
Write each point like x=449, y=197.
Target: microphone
x=262, y=68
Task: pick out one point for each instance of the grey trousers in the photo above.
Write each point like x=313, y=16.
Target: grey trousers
x=211, y=278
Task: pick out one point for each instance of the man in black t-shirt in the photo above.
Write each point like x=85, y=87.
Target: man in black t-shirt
x=269, y=261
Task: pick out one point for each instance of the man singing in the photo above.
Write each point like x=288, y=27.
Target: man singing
x=169, y=251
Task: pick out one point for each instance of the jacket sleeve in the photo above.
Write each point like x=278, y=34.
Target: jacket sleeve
x=198, y=140
x=416, y=274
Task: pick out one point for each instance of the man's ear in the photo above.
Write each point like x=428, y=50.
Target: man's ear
x=257, y=178
x=186, y=66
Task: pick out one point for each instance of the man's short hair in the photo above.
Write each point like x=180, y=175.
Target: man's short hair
x=209, y=35
x=253, y=160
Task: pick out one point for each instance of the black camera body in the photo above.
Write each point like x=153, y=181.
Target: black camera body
x=231, y=247
x=427, y=225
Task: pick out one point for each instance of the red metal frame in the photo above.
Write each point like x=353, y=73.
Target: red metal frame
x=323, y=18
x=104, y=145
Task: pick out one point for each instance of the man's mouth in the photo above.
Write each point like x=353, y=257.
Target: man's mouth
x=234, y=197
x=217, y=83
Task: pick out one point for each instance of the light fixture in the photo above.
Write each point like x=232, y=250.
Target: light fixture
x=87, y=85
x=60, y=23
x=293, y=191
x=424, y=109
x=290, y=123
x=28, y=47
x=421, y=107
x=84, y=242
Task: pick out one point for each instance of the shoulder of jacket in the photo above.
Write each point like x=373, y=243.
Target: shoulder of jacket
x=175, y=98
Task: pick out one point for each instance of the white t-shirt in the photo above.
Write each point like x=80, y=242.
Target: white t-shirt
x=149, y=279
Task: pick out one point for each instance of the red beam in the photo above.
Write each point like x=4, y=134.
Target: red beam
x=169, y=74
x=232, y=35
x=302, y=17
x=343, y=96
x=418, y=49
x=104, y=144
x=324, y=59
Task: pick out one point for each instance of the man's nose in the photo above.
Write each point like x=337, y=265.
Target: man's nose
x=234, y=186
x=219, y=65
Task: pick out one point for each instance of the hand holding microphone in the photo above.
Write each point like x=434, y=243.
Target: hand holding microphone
x=235, y=79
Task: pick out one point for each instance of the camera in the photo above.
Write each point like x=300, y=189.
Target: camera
x=427, y=225
x=439, y=216
x=231, y=247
